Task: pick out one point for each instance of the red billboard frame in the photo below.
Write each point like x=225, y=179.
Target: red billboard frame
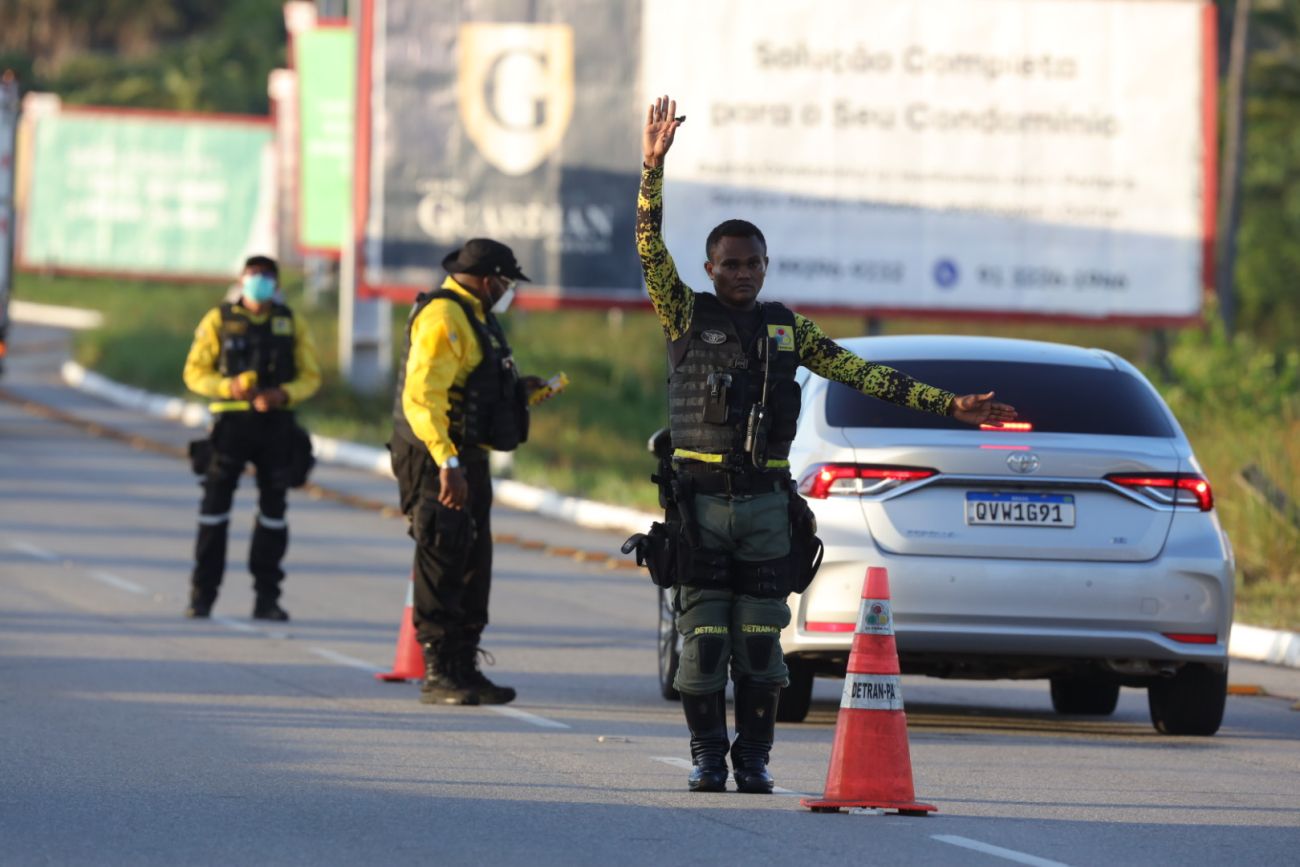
x=539, y=299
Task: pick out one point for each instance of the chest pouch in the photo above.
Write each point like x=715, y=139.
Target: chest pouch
x=715, y=398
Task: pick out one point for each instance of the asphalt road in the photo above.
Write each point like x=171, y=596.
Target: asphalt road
x=129, y=735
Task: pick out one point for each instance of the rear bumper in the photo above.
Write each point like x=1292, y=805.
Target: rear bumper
x=968, y=610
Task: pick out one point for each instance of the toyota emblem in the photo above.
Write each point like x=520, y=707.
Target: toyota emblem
x=1023, y=462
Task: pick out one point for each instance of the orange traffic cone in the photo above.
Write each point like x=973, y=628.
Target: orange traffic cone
x=408, y=661
x=870, y=763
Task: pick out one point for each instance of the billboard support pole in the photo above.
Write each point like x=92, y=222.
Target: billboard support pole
x=10, y=105
x=365, y=324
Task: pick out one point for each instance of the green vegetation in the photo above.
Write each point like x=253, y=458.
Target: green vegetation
x=1238, y=400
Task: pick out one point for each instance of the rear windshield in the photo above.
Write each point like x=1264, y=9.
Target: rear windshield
x=1055, y=398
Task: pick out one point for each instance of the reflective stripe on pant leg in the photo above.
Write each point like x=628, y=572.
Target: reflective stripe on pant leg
x=704, y=622
x=756, y=626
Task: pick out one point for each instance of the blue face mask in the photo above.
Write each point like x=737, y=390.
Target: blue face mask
x=259, y=288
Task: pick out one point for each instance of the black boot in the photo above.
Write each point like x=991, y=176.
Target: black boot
x=706, y=717
x=443, y=681
x=755, y=730
x=488, y=692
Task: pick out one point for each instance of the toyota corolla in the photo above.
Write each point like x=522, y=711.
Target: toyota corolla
x=1077, y=545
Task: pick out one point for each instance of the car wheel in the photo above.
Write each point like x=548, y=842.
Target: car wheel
x=670, y=646
x=1087, y=696
x=1191, y=702
x=797, y=697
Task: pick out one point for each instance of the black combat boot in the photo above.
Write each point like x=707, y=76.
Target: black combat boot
x=488, y=692
x=706, y=717
x=755, y=730
x=443, y=681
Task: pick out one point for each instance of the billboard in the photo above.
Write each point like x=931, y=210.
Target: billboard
x=1031, y=158
x=325, y=62
x=1044, y=157
x=149, y=193
x=499, y=118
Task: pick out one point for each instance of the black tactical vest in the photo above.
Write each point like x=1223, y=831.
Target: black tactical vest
x=715, y=381
x=265, y=347
x=490, y=409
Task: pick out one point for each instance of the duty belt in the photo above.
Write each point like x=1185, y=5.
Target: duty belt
x=715, y=481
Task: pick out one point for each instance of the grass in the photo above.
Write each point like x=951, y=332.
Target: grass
x=1239, y=401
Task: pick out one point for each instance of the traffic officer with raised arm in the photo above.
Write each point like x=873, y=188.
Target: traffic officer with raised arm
x=255, y=359
x=458, y=396
x=744, y=532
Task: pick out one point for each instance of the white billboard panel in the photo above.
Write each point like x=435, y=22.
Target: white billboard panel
x=1020, y=157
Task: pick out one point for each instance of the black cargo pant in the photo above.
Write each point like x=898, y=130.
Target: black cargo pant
x=263, y=439
x=453, y=549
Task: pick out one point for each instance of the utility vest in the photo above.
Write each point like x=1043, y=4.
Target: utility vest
x=715, y=383
x=490, y=409
x=264, y=347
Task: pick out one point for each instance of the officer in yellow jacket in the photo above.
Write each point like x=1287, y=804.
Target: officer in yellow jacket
x=254, y=358
x=458, y=396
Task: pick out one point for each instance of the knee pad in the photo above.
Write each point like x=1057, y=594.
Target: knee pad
x=760, y=647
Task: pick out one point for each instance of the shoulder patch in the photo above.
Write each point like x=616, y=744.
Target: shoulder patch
x=281, y=325
x=714, y=338
x=783, y=335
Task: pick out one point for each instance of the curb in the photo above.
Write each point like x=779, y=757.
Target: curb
x=75, y=318
x=585, y=513
x=1250, y=643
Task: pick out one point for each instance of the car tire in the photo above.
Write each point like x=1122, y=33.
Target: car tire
x=670, y=646
x=1084, y=696
x=1191, y=702
x=797, y=697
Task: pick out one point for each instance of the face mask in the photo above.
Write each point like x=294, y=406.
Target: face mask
x=502, y=304
x=259, y=288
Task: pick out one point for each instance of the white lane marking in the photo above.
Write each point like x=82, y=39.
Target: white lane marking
x=33, y=551
x=686, y=765
x=996, y=851
x=236, y=625
x=527, y=717
x=120, y=583
x=342, y=659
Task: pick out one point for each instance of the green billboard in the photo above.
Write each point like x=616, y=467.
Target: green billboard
x=149, y=193
x=325, y=59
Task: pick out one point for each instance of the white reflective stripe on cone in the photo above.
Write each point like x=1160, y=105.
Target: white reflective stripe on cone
x=272, y=523
x=872, y=692
x=213, y=520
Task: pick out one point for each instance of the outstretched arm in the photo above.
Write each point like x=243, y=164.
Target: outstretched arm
x=827, y=358
x=673, y=300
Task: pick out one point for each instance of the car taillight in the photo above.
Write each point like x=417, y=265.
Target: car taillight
x=1179, y=489
x=827, y=480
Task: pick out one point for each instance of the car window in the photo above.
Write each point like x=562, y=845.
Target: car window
x=1054, y=398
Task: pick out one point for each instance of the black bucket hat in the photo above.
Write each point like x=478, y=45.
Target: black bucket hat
x=484, y=257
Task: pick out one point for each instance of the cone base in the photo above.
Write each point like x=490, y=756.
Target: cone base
x=904, y=808
x=395, y=677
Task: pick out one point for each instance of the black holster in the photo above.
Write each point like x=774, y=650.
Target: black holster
x=301, y=456
x=806, y=549
x=657, y=551
x=200, y=455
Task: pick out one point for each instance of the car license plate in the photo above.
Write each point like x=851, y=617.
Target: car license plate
x=1019, y=510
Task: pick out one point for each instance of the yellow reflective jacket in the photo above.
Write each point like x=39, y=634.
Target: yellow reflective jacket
x=444, y=350
x=202, y=374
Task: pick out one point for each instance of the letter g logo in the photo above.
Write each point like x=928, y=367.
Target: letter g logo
x=515, y=91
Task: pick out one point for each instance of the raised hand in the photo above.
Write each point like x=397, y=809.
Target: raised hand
x=981, y=409
x=660, y=126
